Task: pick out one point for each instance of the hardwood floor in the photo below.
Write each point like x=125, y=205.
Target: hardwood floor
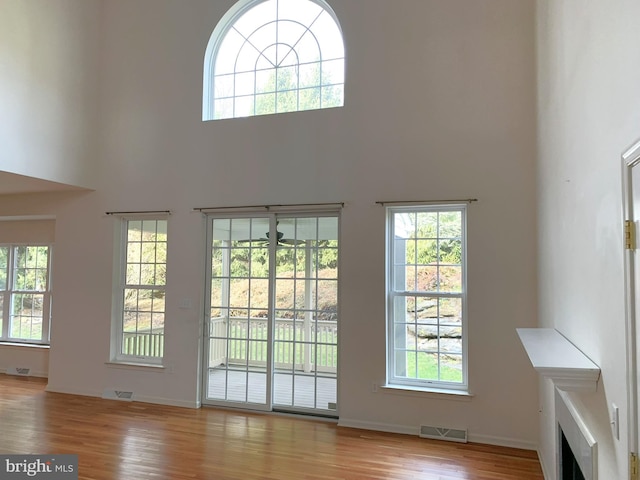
x=134, y=441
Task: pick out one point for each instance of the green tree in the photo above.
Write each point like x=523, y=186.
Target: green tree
x=295, y=88
x=4, y=258
x=30, y=268
x=437, y=238
x=146, y=253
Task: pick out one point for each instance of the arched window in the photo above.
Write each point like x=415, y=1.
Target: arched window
x=273, y=56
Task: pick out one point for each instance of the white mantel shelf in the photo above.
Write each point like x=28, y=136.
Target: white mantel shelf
x=555, y=357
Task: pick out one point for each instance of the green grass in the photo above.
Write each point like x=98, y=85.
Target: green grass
x=428, y=368
x=283, y=352
x=26, y=329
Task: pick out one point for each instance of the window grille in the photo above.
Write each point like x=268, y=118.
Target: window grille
x=274, y=56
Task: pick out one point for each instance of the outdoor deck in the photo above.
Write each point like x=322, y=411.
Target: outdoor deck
x=302, y=391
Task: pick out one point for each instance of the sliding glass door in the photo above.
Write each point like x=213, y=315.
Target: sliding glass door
x=272, y=315
x=238, y=339
x=305, y=337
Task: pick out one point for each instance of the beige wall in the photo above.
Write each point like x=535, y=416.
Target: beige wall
x=440, y=103
x=48, y=83
x=589, y=113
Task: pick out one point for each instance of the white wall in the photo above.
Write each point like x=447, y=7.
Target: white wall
x=48, y=85
x=36, y=359
x=26, y=230
x=440, y=103
x=23, y=207
x=589, y=113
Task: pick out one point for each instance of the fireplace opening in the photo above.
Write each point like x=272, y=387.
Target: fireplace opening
x=569, y=467
x=576, y=448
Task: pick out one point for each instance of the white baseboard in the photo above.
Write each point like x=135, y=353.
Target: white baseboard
x=167, y=401
x=380, y=427
x=31, y=374
x=73, y=391
x=137, y=398
x=503, y=442
x=545, y=471
x=403, y=429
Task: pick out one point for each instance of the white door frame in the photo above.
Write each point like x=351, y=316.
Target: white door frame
x=630, y=160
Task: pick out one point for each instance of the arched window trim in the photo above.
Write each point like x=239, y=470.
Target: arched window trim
x=219, y=33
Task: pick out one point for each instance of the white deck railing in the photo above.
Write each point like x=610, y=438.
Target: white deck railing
x=293, y=348
x=143, y=344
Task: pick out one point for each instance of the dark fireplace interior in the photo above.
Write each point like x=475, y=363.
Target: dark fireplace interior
x=569, y=468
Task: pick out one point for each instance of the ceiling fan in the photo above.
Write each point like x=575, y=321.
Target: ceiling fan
x=281, y=241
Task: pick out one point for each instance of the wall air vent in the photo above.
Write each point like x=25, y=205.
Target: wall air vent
x=110, y=394
x=22, y=371
x=441, y=433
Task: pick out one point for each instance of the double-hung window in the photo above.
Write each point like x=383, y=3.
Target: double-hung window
x=426, y=297
x=25, y=293
x=140, y=295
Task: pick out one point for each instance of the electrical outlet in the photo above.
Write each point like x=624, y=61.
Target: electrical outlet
x=615, y=421
x=374, y=387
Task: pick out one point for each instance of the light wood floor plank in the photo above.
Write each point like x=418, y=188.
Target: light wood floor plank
x=120, y=440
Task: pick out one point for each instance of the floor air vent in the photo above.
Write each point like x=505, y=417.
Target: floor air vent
x=22, y=371
x=440, y=433
x=118, y=395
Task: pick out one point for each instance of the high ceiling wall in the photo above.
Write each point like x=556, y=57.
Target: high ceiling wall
x=49, y=79
x=589, y=113
x=439, y=104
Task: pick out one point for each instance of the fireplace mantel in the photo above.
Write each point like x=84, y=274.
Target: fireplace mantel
x=555, y=357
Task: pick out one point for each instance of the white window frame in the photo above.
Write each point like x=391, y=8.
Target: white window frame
x=394, y=381
x=224, y=26
x=119, y=287
x=10, y=291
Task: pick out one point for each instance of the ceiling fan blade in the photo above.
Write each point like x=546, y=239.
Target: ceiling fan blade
x=290, y=241
x=251, y=240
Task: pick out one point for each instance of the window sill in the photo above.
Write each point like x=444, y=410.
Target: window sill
x=439, y=393
x=144, y=367
x=25, y=345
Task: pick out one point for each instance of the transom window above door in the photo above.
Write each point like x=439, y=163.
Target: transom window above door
x=273, y=56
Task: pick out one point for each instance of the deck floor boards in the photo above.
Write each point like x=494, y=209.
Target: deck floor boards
x=297, y=391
